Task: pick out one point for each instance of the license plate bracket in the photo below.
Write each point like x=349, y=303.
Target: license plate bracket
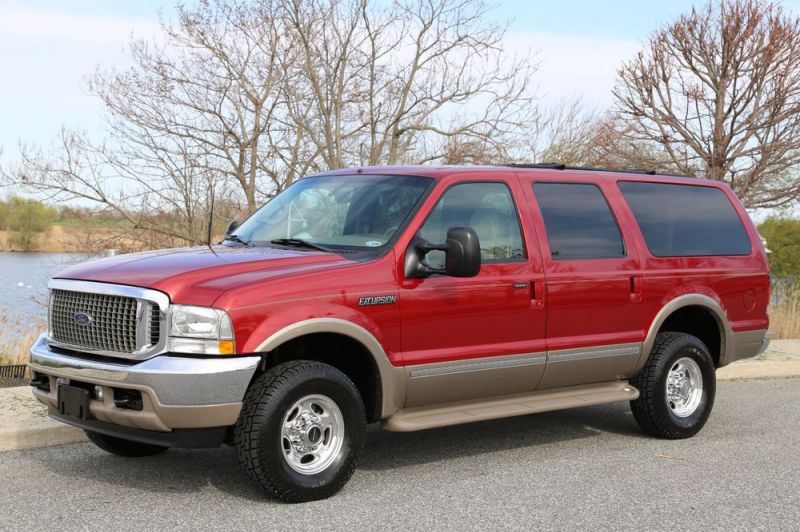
x=73, y=401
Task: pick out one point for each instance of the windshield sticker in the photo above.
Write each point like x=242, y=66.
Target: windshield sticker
x=374, y=244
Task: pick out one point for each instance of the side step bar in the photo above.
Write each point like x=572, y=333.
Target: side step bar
x=429, y=417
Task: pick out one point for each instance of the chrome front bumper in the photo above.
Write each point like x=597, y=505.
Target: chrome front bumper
x=178, y=392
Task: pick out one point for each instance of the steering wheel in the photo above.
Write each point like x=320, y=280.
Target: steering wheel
x=391, y=230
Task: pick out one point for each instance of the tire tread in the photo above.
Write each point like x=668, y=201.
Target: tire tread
x=256, y=408
x=645, y=408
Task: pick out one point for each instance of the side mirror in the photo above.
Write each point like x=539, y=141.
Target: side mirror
x=232, y=225
x=462, y=252
x=462, y=255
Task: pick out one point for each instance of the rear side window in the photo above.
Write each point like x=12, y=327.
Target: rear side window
x=578, y=221
x=686, y=220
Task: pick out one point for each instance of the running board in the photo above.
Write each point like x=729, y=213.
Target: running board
x=429, y=417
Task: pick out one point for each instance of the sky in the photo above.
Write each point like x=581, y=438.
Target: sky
x=48, y=47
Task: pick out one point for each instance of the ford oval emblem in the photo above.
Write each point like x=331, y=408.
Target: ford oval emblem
x=83, y=318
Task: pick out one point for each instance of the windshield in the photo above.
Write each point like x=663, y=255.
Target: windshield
x=337, y=212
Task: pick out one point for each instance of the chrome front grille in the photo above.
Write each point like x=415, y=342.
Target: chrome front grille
x=106, y=319
x=112, y=325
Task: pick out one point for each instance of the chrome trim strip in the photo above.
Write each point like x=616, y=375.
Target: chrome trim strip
x=145, y=297
x=585, y=353
x=174, y=380
x=523, y=359
x=460, y=366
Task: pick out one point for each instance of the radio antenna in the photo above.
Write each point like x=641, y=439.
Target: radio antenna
x=211, y=193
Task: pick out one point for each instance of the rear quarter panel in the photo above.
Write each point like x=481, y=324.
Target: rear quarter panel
x=739, y=284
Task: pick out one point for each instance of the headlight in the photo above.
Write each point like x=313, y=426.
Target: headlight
x=200, y=330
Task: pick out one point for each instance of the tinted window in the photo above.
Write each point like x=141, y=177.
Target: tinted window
x=578, y=221
x=486, y=207
x=686, y=220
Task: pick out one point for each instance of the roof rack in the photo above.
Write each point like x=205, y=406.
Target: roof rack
x=559, y=166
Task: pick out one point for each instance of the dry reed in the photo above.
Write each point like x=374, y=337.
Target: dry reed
x=17, y=334
x=784, y=311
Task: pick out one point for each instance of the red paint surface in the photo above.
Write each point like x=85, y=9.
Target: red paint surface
x=576, y=303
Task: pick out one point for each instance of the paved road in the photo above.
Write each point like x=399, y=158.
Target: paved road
x=586, y=468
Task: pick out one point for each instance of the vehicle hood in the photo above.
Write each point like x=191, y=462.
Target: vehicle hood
x=199, y=275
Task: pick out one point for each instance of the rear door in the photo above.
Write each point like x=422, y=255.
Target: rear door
x=593, y=280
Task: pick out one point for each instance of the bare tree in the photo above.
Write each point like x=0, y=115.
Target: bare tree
x=240, y=98
x=719, y=91
x=564, y=133
x=215, y=86
x=162, y=205
x=571, y=133
x=197, y=114
x=392, y=85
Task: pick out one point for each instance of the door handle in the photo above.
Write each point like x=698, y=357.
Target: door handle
x=636, y=289
x=537, y=294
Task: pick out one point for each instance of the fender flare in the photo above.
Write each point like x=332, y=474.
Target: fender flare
x=393, y=381
x=687, y=300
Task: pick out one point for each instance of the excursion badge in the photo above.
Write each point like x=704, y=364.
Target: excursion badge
x=376, y=300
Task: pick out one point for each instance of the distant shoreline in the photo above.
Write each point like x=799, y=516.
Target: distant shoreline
x=69, y=239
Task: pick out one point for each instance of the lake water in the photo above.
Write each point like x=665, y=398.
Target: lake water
x=23, y=280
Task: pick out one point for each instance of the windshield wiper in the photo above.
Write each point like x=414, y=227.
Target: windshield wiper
x=299, y=243
x=237, y=238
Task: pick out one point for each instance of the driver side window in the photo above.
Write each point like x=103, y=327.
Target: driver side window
x=489, y=209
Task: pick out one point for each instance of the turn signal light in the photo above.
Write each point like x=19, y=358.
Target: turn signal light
x=226, y=347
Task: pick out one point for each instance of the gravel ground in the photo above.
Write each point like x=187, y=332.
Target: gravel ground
x=584, y=468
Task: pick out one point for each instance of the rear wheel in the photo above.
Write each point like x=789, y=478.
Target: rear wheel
x=301, y=431
x=122, y=447
x=677, y=387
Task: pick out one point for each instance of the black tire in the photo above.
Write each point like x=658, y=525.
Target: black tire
x=257, y=436
x=652, y=410
x=122, y=447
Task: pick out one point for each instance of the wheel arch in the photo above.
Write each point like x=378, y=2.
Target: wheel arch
x=685, y=314
x=388, y=394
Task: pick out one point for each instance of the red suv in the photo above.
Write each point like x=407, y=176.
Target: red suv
x=417, y=297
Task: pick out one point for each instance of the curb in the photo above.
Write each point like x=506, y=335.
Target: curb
x=759, y=369
x=46, y=435
x=24, y=423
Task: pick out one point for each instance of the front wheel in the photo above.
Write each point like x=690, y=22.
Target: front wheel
x=677, y=387
x=301, y=431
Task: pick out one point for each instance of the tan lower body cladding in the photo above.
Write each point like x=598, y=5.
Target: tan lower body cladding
x=154, y=415
x=428, y=417
x=463, y=391
x=747, y=344
x=464, y=380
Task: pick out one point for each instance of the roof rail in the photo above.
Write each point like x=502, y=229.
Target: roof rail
x=554, y=166
x=558, y=166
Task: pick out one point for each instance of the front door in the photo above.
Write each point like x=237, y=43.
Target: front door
x=593, y=283
x=481, y=336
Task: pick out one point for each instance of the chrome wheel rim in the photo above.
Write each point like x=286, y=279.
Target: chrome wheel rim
x=312, y=434
x=684, y=387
